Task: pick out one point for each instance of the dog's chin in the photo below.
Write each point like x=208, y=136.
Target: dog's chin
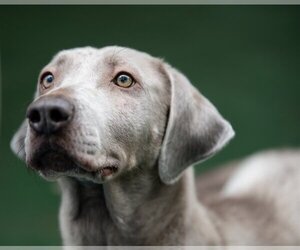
x=52, y=164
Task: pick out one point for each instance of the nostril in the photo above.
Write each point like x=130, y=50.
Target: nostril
x=58, y=115
x=50, y=114
x=34, y=116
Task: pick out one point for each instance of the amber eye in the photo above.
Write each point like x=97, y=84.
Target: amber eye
x=124, y=80
x=47, y=80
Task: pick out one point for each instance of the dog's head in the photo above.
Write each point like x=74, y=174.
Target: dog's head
x=99, y=113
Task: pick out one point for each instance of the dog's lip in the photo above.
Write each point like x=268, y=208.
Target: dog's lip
x=64, y=162
x=51, y=157
x=107, y=170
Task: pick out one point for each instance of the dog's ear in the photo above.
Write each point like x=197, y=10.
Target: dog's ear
x=195, y=129
x=17, y=143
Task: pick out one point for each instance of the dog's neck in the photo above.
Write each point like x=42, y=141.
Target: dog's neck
x=142, y=207
x=139, y=209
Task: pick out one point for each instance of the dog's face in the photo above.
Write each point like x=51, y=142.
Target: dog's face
x=99, y=113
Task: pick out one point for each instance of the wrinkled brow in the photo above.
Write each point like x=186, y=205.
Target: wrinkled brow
x=115, y=59
x=61, y=60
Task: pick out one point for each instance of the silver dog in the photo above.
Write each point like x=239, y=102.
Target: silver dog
x=119, y=128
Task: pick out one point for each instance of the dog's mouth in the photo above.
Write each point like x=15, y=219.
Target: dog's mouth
x=53, y=162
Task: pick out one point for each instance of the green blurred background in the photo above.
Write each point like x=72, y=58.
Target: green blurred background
x=245, y=59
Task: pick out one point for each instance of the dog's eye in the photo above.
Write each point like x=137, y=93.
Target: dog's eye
x=124, y=80
x=47, y=80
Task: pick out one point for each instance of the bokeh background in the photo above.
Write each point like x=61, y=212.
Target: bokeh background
x=245, y=59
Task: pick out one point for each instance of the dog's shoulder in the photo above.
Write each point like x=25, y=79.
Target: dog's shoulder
x=272, y=177
x=258, y=197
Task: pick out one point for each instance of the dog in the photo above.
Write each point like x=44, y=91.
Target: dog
x=119, y=129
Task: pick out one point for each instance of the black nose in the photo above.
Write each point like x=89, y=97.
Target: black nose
x=49, y=114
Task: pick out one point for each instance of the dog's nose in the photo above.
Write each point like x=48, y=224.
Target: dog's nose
x=50, y=114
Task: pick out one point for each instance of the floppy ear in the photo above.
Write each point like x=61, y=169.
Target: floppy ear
x=17, y=143
x=195, y=129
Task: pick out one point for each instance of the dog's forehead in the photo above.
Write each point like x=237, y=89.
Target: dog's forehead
x=111, y=56
x=90, y=67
